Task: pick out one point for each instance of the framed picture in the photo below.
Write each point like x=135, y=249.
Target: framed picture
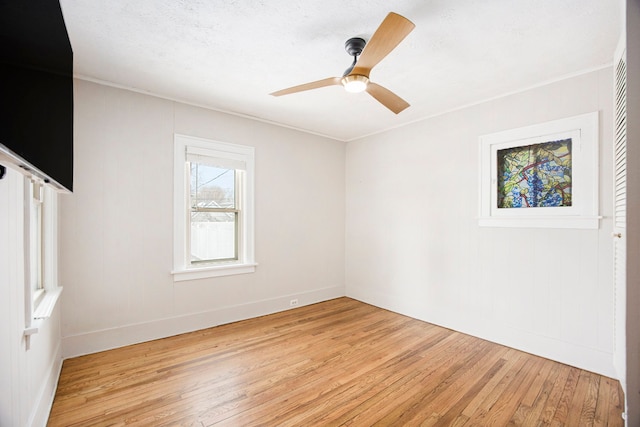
x=545, y=175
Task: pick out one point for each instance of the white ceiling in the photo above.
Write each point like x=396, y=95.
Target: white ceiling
x=230, y=54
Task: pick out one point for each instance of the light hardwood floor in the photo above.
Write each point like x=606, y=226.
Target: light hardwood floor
x=340, y=362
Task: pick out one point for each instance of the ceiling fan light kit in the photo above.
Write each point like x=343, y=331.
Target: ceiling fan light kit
x=354, y=83
x=393, y=29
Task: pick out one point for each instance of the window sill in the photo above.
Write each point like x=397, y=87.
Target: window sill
x=47, y=303
x=213, y=271
x=585, y=222
x=43, y=311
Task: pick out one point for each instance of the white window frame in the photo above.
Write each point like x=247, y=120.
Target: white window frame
x=35, y=195
x=584, y=132
x=182, y=268
x=40, y=302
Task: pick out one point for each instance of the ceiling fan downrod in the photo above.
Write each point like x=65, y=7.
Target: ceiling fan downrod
x=354, y=47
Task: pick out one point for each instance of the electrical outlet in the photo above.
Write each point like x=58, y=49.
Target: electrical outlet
x=293, y=302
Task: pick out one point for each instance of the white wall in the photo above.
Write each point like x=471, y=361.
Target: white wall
x=27, y=377
x=413, y=244
x=116, y=268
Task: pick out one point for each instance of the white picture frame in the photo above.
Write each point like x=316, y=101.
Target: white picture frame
x=583, y=131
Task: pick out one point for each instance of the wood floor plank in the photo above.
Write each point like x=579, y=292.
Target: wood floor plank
x=460, y=402
x=564, y=404
x=553, y=401
x=505, y=407
x=490, y=387
x=543, y=394
x=587, y=415
x=601, y=416
x=512, y=368
x=340, y=362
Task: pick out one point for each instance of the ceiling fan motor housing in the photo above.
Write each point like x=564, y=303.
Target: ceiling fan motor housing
x=354, y=46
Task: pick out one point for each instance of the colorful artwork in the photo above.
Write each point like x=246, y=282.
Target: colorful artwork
x=537, y=175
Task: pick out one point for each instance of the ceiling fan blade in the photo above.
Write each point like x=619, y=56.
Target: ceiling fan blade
x=331, y=81
x=389, y=34
x=387, y=98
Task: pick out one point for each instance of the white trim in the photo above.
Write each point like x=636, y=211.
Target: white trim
x=184, y=144
x=47, y=304
x=213, y=271
x=92, y=342
x=587, y=222
x=46, y=298
x=222, y=154
x=584, y=133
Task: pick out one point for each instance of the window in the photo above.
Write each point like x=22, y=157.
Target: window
x=35, y=242
x=42, y=231
x=213, y=208
x=566, y=173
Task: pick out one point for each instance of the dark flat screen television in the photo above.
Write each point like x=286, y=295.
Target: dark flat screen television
x=36, y=90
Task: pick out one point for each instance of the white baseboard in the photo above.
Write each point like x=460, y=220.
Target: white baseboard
x=44, y=400
x=95, y=341
x=590, y=359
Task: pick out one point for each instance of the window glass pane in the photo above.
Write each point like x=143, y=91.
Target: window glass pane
x=213, y=236
x=35, y=240
x=212, y=187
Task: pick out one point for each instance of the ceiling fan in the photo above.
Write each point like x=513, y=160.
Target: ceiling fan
x=389, y=34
